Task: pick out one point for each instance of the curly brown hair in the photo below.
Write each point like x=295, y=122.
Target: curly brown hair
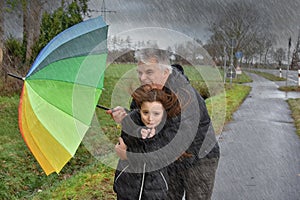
x=167, y=99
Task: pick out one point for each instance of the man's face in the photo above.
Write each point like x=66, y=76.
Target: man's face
x=152, y=74
x=152, y=113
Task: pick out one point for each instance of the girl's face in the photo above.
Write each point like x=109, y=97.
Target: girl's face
x=152, y=113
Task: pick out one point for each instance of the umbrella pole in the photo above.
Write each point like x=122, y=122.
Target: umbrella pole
x=21, y=78
x=103, y=107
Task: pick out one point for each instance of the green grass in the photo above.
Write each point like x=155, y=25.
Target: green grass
x=21, y=176
x=268, y=76
x=222, y=106
x=93, y=182
x=295, y=108
x=18, y=167
x=290, y=88
x=84, y=177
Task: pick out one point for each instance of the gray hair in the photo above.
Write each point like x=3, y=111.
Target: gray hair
x=161, y=57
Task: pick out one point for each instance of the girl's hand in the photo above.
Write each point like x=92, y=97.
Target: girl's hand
x=147, y=133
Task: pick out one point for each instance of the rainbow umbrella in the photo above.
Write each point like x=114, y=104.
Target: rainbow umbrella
x=61, y=91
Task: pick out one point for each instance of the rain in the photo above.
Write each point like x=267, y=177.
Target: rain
x=260, y=152
x=188, y=17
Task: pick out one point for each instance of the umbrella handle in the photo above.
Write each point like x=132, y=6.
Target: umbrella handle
x=103, y=107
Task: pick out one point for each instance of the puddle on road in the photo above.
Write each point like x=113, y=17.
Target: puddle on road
x=283, y=95
x=270, y=90
x=293, y=95
x=275, y=94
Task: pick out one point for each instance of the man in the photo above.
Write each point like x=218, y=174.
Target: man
x=193, y=153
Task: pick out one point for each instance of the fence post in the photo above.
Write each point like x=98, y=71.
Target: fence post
x=298, y=77
x=280, y=73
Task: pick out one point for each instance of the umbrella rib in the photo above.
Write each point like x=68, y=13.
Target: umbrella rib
x=64, y=81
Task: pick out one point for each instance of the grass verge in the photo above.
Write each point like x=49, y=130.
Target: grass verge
x=221, y=110
x=268, y=76
x=93, y=182
x=295, y=108
x=290, y=88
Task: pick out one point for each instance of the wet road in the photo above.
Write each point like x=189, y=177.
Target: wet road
x=260, y=151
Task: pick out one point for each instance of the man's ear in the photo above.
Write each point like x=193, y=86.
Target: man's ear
x=166, y=72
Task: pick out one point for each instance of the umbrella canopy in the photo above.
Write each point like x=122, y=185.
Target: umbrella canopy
x=61, y=91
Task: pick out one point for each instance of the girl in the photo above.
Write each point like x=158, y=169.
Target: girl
x=143, y=132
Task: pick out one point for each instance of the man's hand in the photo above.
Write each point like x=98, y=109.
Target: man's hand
x=118, y=114
x=120, y=149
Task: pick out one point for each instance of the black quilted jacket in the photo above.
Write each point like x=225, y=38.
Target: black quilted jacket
x=143, y=176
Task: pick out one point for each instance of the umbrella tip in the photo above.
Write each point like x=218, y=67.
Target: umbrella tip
x=16, y=76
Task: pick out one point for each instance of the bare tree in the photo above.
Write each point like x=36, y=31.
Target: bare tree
x=238, y=21
x=1, y=24
x=31, y=13
x=295, y=63
x=268, y=43
x=279, y=55
x=114, y=42
x=264, y=42
x=128, y=42
x=215, y=47
x=250, y=51
x=1, y=31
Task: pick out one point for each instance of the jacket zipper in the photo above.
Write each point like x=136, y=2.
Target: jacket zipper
x=121, y=172
x=163, y=177
x=143, y=180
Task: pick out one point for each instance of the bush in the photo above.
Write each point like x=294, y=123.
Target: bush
x=10, y=87
x=12, y=62
x=14, y=47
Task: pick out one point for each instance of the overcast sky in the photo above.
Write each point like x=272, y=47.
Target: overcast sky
x=189, y=17
x=186, y=17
